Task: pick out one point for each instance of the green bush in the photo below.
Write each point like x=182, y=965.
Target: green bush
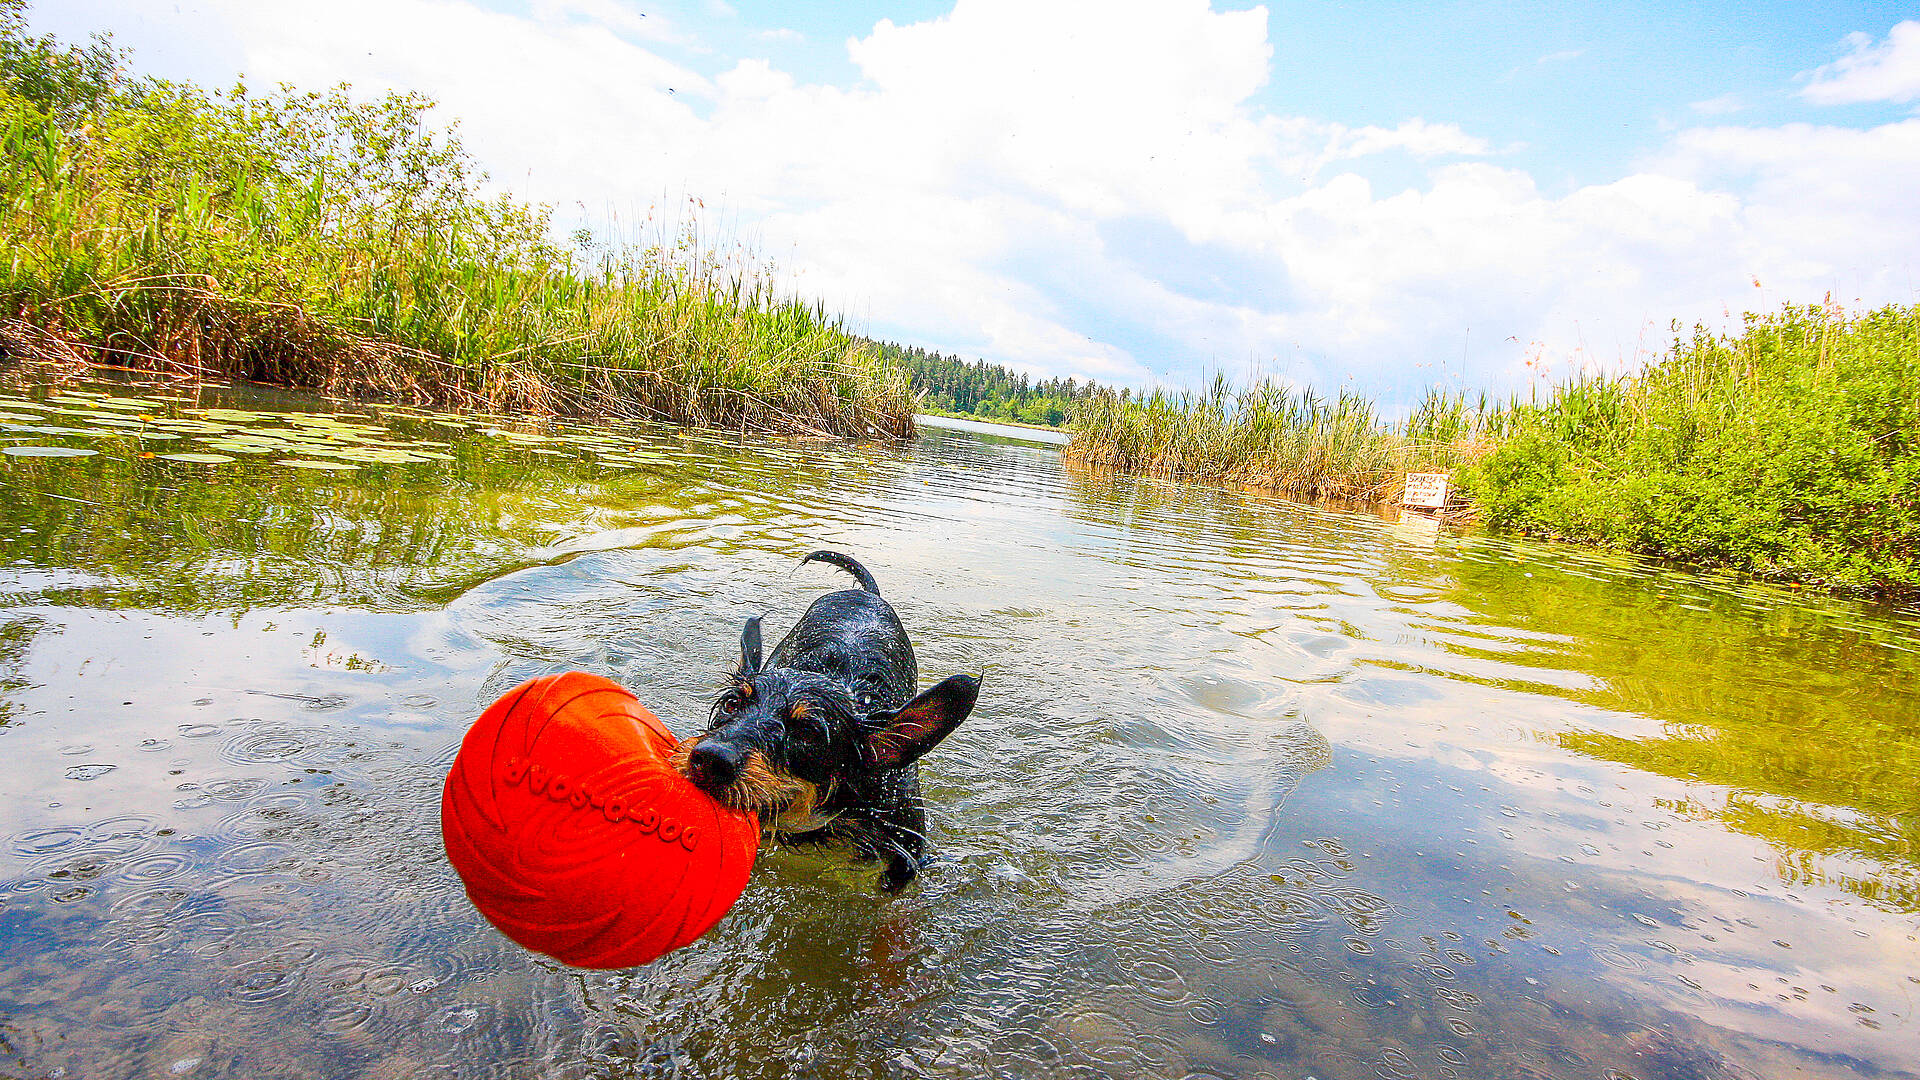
x=65, y=81
x=1788, y=452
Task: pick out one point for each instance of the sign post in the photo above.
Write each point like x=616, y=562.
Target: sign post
x=1426, y=490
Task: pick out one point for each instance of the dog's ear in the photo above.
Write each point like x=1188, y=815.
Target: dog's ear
x=897, y=739
x=749, y=648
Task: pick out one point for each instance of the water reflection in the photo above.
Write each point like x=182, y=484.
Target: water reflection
x=1792, y=713
x=1255, y=789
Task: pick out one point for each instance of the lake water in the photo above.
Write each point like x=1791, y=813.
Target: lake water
x=1254, y=788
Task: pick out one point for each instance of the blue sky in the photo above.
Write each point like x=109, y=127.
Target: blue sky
x=1148, y=191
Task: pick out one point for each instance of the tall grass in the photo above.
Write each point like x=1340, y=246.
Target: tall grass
x=1275, y=437
x=314, y=240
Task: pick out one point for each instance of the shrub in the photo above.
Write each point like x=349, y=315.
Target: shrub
x=1787, y=452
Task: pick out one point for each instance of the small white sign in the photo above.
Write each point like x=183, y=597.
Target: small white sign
x=1426, y=489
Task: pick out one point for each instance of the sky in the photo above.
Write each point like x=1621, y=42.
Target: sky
x=1381, y=197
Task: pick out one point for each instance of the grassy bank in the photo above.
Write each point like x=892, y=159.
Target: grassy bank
x=346, y=246
x=1790, y=451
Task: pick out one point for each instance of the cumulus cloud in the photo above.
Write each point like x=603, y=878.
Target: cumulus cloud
x=1091, y=188
x=1887, y=71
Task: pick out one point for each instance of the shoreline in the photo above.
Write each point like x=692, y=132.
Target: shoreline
x=995, y=421
x=1023, y=432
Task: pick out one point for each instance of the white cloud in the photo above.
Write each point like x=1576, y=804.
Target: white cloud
x=1889, y=71
x=1308, y=147
x=608, y=13
x=1723, y=105
x=1091, y=189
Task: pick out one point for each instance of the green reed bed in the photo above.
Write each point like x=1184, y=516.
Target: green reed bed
x=1269, y=436
x=313, y=240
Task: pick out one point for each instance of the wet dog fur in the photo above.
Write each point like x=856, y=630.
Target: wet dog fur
x=821, y=739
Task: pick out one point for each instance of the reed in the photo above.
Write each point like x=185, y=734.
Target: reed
x=1277, y=437
x=312, y=240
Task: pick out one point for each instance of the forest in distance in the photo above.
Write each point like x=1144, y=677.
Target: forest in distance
x=947, y=385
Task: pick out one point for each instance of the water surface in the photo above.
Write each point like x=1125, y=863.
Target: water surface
x=1255, y=788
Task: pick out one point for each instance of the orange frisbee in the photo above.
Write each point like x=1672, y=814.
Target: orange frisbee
x=577, y=839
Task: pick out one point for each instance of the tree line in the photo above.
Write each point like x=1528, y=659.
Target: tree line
x=947, y=384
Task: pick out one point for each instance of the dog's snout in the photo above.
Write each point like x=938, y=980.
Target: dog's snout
x=715, y=765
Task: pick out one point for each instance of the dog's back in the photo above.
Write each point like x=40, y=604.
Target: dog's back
x=856, y=637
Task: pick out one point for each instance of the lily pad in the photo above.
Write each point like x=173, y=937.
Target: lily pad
x=47, y=451
x=308, y=463
x=369, y=455
x=197, y=459
x=233, y=415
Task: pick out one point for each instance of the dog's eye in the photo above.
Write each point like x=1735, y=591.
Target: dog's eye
x=729, y=704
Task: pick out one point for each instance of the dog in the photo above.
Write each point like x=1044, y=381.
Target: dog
x=821, y=740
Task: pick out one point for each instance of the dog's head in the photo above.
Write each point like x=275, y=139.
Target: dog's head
x=781, y=740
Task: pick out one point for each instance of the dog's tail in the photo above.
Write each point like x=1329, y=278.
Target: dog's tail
x=845, y=562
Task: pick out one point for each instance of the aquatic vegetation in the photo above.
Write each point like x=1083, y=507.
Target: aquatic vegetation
x=121, y=422
x=319, y=241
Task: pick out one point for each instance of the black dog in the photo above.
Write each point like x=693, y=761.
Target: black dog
x=821, y=742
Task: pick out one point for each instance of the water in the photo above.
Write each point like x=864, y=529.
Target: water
x=1004, y=431
x=1254, y=789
